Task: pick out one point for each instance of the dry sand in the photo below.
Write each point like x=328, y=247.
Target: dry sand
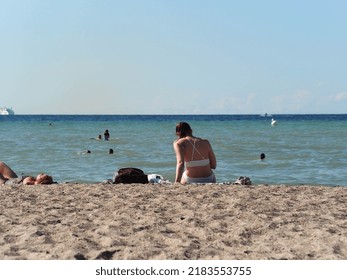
x=96, y=221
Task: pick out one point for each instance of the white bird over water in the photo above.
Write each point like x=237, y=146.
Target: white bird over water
x=273, y=122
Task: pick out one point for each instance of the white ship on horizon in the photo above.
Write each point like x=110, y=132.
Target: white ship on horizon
x=6, y=111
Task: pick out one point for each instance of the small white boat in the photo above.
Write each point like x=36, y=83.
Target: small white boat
x=273, y=122
x=6, y=111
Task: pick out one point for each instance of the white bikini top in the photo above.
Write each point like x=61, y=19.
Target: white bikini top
x=196, y=163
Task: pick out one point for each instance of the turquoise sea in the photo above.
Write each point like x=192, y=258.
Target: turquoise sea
x=300, y=149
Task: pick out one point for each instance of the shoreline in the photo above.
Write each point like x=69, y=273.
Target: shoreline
x=173, y=222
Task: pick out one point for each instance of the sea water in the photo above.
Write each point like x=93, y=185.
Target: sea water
x=300, y=149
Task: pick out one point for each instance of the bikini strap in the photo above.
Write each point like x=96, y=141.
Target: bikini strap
x=195, y=149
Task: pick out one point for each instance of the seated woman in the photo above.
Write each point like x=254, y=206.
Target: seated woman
x=9, y=177
x=195, y=155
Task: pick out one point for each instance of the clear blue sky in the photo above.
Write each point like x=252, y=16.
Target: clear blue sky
x=173, y=56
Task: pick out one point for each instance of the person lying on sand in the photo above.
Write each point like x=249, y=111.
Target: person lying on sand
x=9, y=177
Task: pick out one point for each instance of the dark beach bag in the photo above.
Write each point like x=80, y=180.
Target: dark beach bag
x=130, y=175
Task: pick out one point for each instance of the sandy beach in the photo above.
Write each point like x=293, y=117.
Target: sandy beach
x=173, y=222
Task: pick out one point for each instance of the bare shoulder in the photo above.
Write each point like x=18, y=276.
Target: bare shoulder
x=203, y=140
x=178, y=142
x=205, y=143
